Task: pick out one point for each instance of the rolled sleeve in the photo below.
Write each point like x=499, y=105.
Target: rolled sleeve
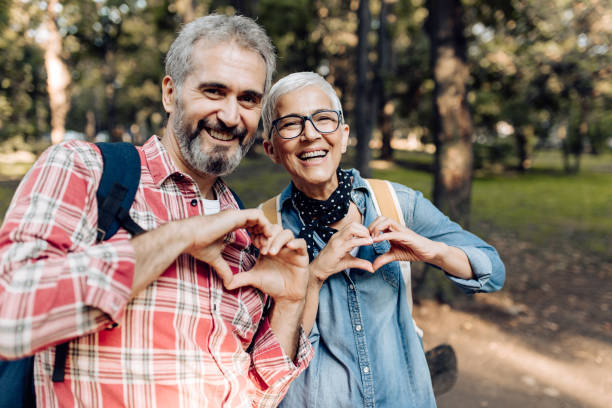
x=425, y=219
x=272, y=370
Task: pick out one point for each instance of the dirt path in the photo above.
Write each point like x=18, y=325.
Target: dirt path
x=544, y=341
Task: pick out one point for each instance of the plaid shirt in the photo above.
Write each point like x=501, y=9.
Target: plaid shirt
x=183, y=341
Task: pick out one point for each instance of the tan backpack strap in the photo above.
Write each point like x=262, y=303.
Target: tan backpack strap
x=385, y=200
x=270, y=209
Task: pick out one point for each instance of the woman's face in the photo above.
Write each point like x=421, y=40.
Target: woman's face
x=312, y=157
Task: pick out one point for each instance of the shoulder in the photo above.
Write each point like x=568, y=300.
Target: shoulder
x=74, y=153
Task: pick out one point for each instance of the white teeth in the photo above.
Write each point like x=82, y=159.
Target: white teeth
x=309, y=155
x=220, y=135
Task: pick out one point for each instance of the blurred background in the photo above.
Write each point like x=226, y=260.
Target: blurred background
x=499, y=111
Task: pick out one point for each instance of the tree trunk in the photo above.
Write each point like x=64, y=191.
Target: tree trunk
x=362, y=98
x=385, y=107
x=522, y=150
x=245, y=7
x=452, y=127
x=58, y=76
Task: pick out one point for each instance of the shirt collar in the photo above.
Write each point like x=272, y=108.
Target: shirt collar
x=158, y=160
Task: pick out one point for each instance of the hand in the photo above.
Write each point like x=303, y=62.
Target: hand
x=406, y=245
x=210, y=233
x=281, y=270
x=336, y=255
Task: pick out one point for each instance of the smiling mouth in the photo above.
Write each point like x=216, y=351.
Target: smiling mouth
x=316, y=154
x=223, y=136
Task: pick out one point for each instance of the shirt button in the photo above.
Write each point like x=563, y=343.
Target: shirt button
x=358, y=327
x=366, y=370
x=351, y=287
x=194, y=202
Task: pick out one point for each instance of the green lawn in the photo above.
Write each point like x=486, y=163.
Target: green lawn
x=541, y=206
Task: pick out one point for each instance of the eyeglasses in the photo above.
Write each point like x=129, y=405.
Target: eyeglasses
x=291, y=126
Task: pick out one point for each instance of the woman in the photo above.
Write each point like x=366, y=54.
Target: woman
x=367, y=352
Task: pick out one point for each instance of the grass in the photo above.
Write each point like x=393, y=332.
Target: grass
x=542, y=206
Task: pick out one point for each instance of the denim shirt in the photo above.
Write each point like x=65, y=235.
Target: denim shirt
x=367, y=352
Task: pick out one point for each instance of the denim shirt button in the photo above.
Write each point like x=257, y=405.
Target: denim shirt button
x=351, y=287
x=366, y=370
x=358, y=327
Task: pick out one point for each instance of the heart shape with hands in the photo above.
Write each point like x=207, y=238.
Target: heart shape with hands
x=405, y=245
x=282, y=268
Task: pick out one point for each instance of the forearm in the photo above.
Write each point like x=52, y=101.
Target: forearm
x=311, y=307
x=453, y=261
x=155, y=250
x=285, y=321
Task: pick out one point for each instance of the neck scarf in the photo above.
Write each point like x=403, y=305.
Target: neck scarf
x=317, y=215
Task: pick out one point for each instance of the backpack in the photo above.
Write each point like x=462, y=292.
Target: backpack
x=115, y=195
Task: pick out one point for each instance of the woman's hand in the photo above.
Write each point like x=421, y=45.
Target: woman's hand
x=406, y=245
x=336, y=256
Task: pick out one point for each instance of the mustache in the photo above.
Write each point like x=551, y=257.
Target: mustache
x=235, y=131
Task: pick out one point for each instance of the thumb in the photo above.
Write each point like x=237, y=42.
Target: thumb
x=382, y=260
x=248, y=278
x=223, y=271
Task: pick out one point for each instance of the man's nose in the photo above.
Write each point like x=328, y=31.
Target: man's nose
x=229, y=113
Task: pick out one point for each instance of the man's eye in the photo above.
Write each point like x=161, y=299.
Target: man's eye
x=213, y=92
x=249, y=101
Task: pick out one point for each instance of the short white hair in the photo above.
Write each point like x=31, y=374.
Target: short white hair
x=290, y=83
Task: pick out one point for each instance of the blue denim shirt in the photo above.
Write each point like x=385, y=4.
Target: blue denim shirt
x=367, y=352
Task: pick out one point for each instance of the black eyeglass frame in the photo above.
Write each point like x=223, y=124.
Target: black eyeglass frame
x=304, y=119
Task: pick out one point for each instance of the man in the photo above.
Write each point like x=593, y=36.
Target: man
x=165, y=318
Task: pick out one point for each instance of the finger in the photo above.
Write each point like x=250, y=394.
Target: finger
x=358, y=263
x=382, y=224
x=398, y=237
x=248, y=278
x=223, y=271
x=279, y=241
x=383, y=259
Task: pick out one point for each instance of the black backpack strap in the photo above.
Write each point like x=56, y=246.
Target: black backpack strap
x=238, y=200
x=115, y=195
x=59, y=370
x=117, y=189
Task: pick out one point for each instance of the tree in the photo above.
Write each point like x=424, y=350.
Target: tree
x=362, y=97
x=452, y=127
x=58, y=76
x=383, y=103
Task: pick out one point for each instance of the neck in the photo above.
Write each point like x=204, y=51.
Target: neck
x=203, y=180
x=318, y=191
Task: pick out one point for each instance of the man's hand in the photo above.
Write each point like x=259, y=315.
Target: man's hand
x=201, y=236
x=212, y=232
x=281, y=270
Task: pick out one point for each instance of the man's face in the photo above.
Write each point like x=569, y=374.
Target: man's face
x=217, y=109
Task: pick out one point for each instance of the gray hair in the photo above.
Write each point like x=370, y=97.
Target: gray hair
x=216, y=29
x=292, y=83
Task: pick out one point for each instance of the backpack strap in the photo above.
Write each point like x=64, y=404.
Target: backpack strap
x=386, y=203
x=385, y=200
x=117, y=189
x=271, y=209
x=115, y=195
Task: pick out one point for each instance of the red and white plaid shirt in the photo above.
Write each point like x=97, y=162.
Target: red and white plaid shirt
x=184, y=341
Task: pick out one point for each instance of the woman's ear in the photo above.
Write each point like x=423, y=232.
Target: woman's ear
x=168, y=94
x=345, y=137
x=270, y=151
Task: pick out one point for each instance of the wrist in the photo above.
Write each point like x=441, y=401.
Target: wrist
x=440, y=254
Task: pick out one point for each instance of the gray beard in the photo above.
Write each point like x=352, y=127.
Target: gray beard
x=218, y=161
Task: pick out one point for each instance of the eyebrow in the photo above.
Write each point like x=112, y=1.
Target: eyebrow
x=219, y=85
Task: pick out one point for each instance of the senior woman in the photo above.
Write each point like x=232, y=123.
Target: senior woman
x=367, y=351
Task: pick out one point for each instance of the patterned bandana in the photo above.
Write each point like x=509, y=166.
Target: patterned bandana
x=317, y=215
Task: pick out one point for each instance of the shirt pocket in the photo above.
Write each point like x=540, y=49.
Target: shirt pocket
x=391, y=274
